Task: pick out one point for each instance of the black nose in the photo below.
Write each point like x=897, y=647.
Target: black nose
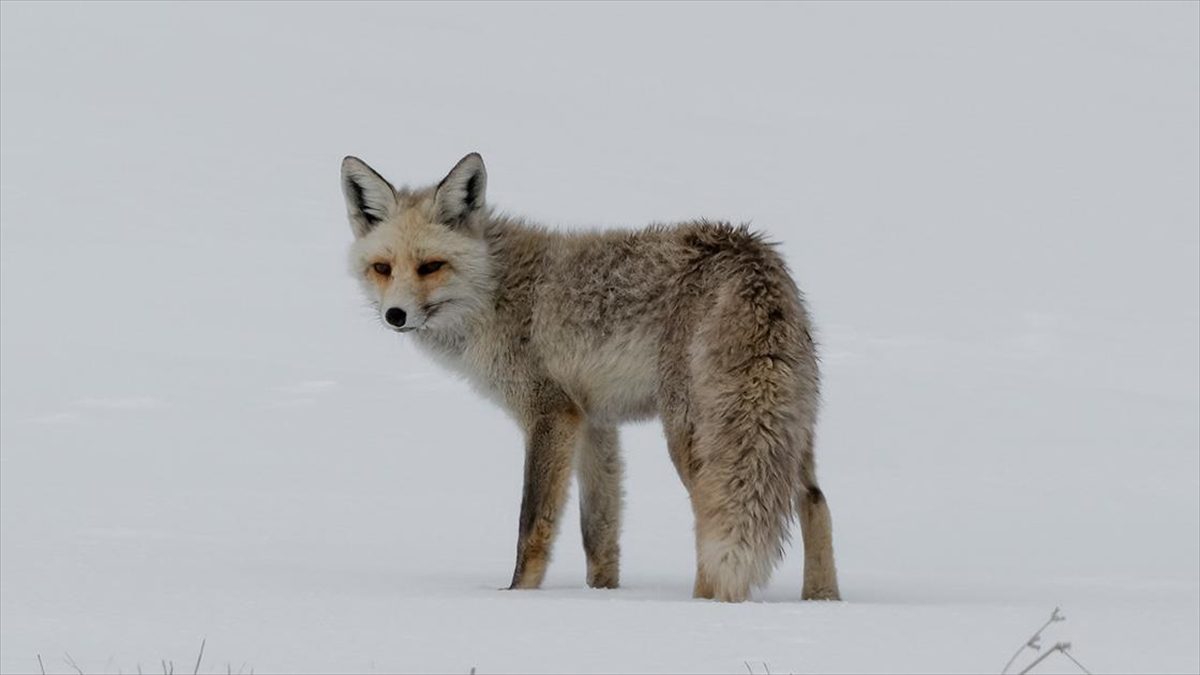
x=395, y=316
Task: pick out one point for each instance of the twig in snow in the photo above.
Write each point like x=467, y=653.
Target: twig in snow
x=748, y=668
x=41, y=665
x=71, y=662
x=1058, y=647
x=1068, y=655
x=200, y=656
x=1035, y=641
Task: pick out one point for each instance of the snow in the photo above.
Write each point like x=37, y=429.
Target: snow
x=205, y=435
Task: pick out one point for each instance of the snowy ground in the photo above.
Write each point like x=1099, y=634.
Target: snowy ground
x=993, y=208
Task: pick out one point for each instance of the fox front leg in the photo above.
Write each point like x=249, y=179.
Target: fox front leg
x=548, y=457
x=599, y=469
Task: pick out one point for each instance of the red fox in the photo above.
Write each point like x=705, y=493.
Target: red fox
x=699, y=324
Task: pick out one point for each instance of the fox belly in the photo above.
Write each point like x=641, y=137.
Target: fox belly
x=617, y=380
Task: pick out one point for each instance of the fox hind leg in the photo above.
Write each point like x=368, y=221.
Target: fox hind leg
x=816, y=528
x=679, y=431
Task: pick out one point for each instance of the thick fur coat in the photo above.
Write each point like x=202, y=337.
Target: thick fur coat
x=699, y=324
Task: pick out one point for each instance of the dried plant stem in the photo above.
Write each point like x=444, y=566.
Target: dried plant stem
x=1058, y=647
x=1032, y=642
x=200, y=656
x=1073, y=660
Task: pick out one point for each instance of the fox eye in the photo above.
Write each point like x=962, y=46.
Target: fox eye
x=382, y=269
x=430, y=267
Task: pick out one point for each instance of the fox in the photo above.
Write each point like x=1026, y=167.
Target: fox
x=572, y=333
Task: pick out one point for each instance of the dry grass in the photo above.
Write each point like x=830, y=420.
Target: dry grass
x=1034, y=643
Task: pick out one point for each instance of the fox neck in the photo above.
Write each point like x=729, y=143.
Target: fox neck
x=469, y=345
x=450, y=341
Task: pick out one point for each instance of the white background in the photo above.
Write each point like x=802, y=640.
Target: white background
x=993, y=209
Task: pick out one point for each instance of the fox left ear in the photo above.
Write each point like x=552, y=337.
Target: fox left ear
x=460, y=195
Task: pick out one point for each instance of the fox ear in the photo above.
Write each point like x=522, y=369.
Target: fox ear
x=460, y=195
x=369, y=198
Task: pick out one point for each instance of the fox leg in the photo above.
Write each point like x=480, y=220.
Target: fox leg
x=679, y=431
x=599, y=469
x=550, y=444
x=816, y=528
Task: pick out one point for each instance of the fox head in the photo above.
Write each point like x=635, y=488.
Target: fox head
x=420, y=254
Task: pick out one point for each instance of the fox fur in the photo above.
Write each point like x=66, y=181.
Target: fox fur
x=699, y=324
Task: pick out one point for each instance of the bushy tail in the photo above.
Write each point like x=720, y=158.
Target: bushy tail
x=756, y=386
x=746, y=490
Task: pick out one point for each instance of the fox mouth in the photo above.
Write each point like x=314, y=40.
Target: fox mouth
x=432, y=308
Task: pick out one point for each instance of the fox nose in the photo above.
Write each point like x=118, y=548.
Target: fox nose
x=395, y=316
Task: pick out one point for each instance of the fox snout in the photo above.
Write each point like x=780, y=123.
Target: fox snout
x=395, y=317
x=400, y=320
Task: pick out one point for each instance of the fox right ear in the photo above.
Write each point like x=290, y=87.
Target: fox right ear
x=370, y=199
